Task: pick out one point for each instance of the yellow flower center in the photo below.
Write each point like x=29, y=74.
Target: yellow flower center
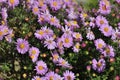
x=41, y=32
x=32, y=56
x=84, y=15
x=63, y=62
x=67, y=40
x=40, y=67
x=36, y=9
x=12, y=1
x=51, y=77
x=99, y=64
x=33, y=51
x=107, y=50
x=106, y=29
x=41, y=3
x=75, y=22
x=104, y=7
x=77, y=35
x=22, y=46
x=69, y=78
x=1, y=33
x=38, y=78
x=77, y=46
x=101, y=22
x=55, y=57
x=100, y=45
x=55, y=3
x=52, y=20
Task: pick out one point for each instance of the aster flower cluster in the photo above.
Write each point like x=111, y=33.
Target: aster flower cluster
x=59, y=38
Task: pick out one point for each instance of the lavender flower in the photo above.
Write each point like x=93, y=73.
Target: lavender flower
x=50, y=43
x=108, y=51
x=13, y=3
x=100, y=20
x=106, y=30
x=55, y=4
x=4, y=14
x=99, y=43
x=22, y=45
x=41, y=67
x=68, y=75
x=98, y=66
x=76, y=48
x=67, y=41
x=38, y=78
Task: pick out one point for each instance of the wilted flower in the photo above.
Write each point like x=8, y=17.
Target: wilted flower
x=63, y=63
x=90, y=35
x=98, y=66
x=50, y=43
x=69, y=75
x=105, y=7
x=109, y=51
x=41, y=67
x=22, y=45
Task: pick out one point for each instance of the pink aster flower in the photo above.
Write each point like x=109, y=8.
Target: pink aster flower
x=53, y=76
x=22, y=45
x=98, y=65
x=104, y=7
x=76, y=48
x=40, y=34
x=63, y=63
x=41, y=67
x=50, y=43
x=35, y=9
x=100, y=20
x=71, y=13
x=67, y=41
x=69, y=75
x=34, y=53
x=48, y=31
x=55, y=4
x=108, y=51
x=106, y=30
x=13, y=3
x=55, y=57
x=4, y=14
x=38, y=78
x=54, y=21
x=77, y=36
x=99, y=43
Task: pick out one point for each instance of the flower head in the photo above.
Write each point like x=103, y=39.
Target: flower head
x=69, y=75
x=41, y=67
x=99, y=43
x=22, y=45
x=50, y=43
x=106, y=30
x=100, y=20
x=13, y=3
x=98, y=65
